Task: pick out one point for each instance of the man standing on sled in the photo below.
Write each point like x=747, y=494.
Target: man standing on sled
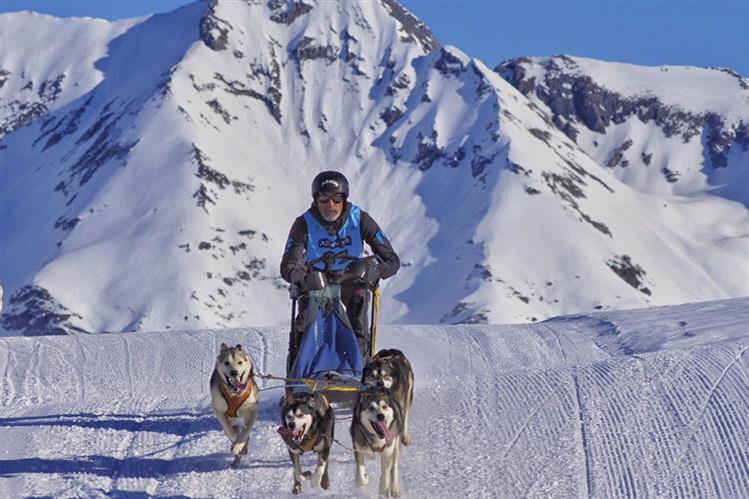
x=333, y=224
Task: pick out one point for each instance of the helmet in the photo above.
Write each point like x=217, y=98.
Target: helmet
x=329, y=182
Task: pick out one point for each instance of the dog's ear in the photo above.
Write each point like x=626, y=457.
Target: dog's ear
x=324, y=404
x=238, y=347
x=317, y=403
x=224, y=347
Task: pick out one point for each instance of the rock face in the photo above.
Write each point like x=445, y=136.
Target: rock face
x=576, y=92
x=32, y=103
x=154, y=185
x=35, y=312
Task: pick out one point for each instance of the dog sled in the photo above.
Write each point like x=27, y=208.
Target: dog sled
x=330, y=356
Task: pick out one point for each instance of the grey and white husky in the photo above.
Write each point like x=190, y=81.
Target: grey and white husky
x=377, y=428
x=391, y=369
x=234, y=397
x=307, y=425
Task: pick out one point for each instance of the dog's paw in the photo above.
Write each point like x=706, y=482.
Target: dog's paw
x=395, y=492
x=297, y=489
x=325, y=483
x=406, y=439
x=316, y=479
x=362, y=479
x=239, y=449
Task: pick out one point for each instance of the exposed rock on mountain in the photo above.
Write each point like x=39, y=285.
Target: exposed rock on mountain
x=601, y=99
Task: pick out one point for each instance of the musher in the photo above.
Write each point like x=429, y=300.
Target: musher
x=333, y=224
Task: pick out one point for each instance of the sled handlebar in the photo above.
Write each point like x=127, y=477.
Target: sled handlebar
x=330, y=258
x=318, y=279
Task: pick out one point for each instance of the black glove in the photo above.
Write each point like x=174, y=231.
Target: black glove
x=298, y=274
x=373, y=274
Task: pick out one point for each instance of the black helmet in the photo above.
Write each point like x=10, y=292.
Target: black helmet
x=329, y=182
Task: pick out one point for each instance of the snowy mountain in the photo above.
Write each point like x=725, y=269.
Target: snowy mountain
x=665, y=130
x=150, y=170
x=649, y=403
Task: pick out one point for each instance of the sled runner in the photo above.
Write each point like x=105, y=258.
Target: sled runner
x=330, y=355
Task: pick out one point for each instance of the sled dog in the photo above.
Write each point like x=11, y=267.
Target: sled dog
x=234, y=397
x=377, y=427
x=307, y=422
x=392, y=370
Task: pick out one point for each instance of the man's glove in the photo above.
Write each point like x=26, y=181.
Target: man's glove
x=298, y=274
x=373, y=274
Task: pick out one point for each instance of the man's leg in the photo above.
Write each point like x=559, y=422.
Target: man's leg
x=356, y=301
x=296, y=332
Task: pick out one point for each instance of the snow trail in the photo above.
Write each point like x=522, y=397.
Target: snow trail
x=621, y=404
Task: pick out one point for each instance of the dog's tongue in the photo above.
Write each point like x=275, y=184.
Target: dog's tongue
x=383, y=431
x=284, y=432
x=236, y=384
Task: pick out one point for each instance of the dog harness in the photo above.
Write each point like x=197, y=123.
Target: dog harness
x=235, y=401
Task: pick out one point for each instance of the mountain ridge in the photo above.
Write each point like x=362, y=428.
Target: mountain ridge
x=160, y=198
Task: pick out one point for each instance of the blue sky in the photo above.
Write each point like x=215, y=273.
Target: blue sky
x=649, y=32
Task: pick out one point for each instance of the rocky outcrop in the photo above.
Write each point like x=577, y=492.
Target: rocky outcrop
x=33, y=311
x=214, y=31
x=576, y=100
x=271, y=99
x=213, y=181
x=630, y=272
x=286, y=12
x=618, y=153
x=107, y=145
x=448, y=64
x=28, y=105
x=308, y=50
x=413, y=30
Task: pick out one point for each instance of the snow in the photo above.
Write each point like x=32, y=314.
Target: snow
x=649, y=403
x=80, y=42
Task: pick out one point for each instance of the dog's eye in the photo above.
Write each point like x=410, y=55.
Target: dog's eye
x=239, y=363
x=226, y=363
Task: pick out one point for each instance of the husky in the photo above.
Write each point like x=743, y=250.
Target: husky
x=391, y=369
x=307, y=423
x=234, y=397
x=377, y=428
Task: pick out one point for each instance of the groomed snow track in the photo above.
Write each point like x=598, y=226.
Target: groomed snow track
x=650, y=403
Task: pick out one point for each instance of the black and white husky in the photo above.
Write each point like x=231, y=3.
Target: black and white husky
x=391, y=369
x=234, y=397
x=377, y=428
x=307, y=424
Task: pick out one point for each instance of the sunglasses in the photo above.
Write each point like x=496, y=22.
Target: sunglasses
x=337, y=199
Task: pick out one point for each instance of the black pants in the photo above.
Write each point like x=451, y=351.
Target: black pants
x=356, y=301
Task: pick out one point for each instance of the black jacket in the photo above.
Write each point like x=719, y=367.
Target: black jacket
x=296, y=246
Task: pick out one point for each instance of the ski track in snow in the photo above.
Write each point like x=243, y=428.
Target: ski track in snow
x=555, y=409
